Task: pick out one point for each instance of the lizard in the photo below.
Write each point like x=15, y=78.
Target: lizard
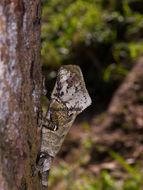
x=69, y=98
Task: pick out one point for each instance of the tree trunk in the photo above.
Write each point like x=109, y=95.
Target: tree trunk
x=20, y=91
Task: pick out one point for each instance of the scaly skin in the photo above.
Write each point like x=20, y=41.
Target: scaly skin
x=69, y=98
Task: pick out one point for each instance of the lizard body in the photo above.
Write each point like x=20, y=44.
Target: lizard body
x=68, y=99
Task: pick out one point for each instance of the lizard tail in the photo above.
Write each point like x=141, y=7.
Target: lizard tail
x=44, y=180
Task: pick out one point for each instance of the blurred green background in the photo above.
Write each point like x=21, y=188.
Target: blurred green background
x=103, y=37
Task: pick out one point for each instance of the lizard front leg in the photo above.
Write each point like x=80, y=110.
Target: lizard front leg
x=49, y=125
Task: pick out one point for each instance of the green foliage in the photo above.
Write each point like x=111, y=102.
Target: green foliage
x=66, y=24
x=70, y=177
x=132, y=171
x=102, y=36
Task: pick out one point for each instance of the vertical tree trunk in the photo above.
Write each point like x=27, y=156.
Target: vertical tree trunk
x=20, y=90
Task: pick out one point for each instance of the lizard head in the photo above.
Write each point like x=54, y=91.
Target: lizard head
x=70, y=89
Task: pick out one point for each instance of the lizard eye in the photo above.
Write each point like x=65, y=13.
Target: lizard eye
x=42, y=155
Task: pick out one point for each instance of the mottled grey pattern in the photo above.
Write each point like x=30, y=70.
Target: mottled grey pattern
x=69, y=98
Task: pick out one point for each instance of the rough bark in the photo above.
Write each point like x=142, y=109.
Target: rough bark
x=20, y=90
